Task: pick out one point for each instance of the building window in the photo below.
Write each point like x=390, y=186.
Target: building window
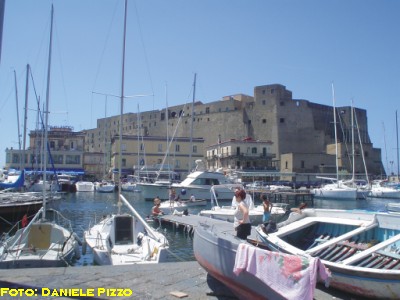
x=282, y=120
x=264, y=121
x=160, y=148
x=302, y=164
x=72, y=159
x=141, y=147
x=248, y=122
x=282, y=103
x=123, y=162
x=123, y=147
x=194, y=149
x=286, y=164
x=254, y=150
x=177, y=148
x=272, y=91
x=264, y=102
x=263, y=92
x=177, y=163
x=58, y=159
x=207, y=110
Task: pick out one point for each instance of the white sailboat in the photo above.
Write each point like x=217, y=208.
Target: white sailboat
x=125, y=239
x=104, y=186
x=338, y=189
x=382, y=188
x=42, y=242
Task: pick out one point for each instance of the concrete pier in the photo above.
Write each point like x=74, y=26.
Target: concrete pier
x=186, y=280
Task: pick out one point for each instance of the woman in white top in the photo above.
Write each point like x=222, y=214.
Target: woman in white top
x=241, y=222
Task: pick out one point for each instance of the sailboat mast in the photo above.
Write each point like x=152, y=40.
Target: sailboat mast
x=352, y=141
x=191, y=125
x=397, y=148
x=335, y=129
x=25, y=114
x=19, y=134
x=46, y=114
x=122, y=105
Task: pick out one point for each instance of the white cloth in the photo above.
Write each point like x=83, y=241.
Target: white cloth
x=292, y=276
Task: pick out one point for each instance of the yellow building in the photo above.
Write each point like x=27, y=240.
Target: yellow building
x=153, y=152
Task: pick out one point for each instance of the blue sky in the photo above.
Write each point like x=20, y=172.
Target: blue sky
x=232, y=45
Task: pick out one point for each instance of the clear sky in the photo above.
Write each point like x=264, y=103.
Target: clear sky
x=232, y=45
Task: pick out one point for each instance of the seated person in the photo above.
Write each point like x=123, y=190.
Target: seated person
x=155, y=211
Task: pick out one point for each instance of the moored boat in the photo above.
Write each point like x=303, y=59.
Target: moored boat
x=361, y=248
x=125, y=239
x=169, y=207
x=227, y=212
x=233, y=262
x=84, y=186
x=197, y=183
x=105, y=187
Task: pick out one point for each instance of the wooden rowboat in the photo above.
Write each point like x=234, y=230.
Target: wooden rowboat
x=360, y=248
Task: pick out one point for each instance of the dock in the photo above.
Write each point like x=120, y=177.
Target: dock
x=168, y=281
x=171, y=280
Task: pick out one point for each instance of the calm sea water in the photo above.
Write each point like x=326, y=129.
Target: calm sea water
x=84, y=208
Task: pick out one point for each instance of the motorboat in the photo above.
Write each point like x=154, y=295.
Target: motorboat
x=66, y=182
x=227, y=212
x=250, y=271
x=169, y=207
x=84, y=186
x=197, y=184
x=125, y=239
x=360, y=248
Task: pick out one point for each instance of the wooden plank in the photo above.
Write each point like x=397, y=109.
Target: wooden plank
x=342, y=237
x=371, y=250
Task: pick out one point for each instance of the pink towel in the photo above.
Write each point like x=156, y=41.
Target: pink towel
x=292, y=276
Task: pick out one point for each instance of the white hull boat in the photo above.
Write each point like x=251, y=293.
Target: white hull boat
x=125, y=239
x=360, y=248
x=227, y=213
x=105, y=187
x=84, y=186
x=393, y=207
x=339, y=191
x=169, y=207
x=379, y=189
x=197, y=183
x=41, y=244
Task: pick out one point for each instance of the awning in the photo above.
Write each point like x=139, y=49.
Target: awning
x=30, y=171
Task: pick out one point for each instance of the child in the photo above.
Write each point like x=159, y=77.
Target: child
x=267, y=208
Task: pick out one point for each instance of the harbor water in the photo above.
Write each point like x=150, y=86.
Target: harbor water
x=85, y=208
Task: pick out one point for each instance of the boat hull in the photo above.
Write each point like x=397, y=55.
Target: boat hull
x=217, y=256
x=122, y=240
x=359, y=248
x=84, y=186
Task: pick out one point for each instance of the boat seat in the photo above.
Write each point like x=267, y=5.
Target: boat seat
x=39, y=236
x=341, y=238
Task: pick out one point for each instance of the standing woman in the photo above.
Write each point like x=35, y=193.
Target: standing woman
x=241, y=222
